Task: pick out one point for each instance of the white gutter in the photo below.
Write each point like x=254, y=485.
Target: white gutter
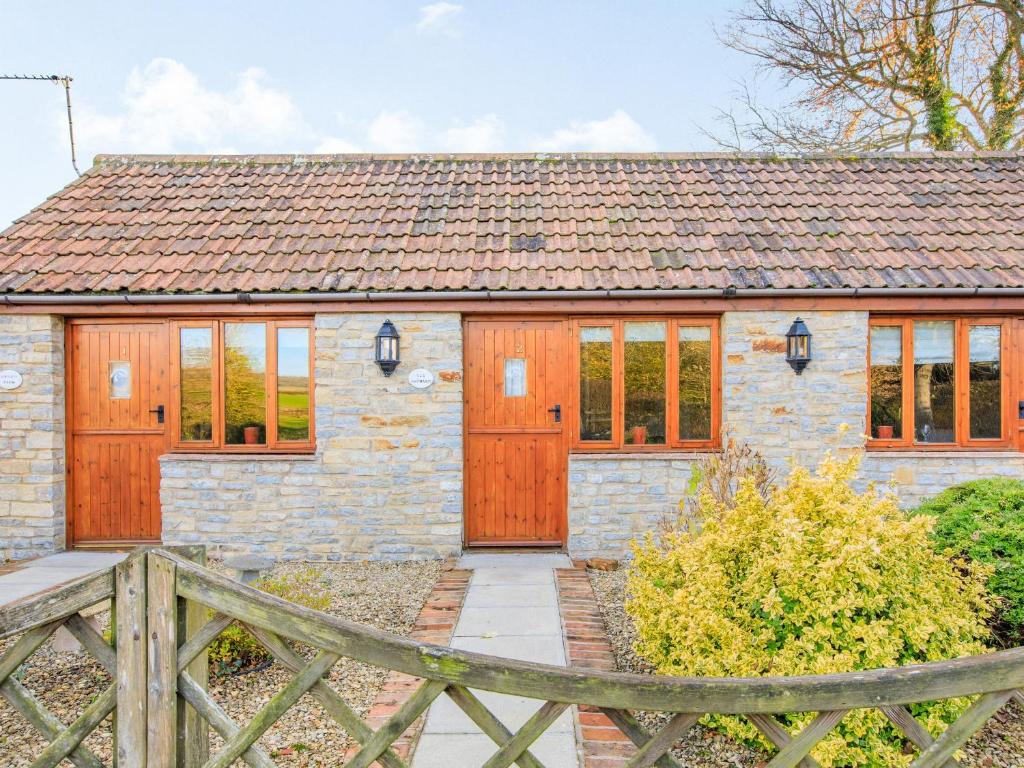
x=377, y=296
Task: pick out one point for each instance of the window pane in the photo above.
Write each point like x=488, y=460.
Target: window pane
x=887, y=382
x=645, y=383
x=515, y=377
x=985, y=374
x=245, y=385
x=595, y=383
x=293, y=384
x=934, y=382
x=119, y=380
x=196, y=406
x=695, y=383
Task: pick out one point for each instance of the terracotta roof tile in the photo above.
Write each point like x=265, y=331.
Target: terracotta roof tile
x=338, y=223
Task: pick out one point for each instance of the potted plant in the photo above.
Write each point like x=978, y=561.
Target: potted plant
x=884, y=431
x=639, y=435
x=251, y=434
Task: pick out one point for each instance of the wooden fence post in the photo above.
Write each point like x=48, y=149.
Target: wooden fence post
x=130, y=596
x=162, y=662
x=193, y=731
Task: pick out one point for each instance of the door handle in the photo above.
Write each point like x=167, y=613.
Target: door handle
x=159, y=411
x=557, y=410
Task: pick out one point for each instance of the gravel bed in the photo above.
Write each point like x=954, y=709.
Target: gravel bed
x=999, y=745
x=387, y=596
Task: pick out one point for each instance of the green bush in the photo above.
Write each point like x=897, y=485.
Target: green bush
x=815, y=579
x=983, y=520
x=235, y=649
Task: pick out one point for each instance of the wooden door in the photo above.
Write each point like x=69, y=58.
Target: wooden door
x=117, y=405
x=516, y=442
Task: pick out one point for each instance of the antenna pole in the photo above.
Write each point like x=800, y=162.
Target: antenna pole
x=64, y=80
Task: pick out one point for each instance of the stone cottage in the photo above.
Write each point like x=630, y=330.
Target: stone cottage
x=349, y=357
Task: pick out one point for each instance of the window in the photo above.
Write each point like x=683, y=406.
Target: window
x=243, y=385
x=647, y=383
x=937, y=382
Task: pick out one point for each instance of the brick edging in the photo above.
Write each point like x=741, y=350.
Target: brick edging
x=601, y=743
x=434, y=624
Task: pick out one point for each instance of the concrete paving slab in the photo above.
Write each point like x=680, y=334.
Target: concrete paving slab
x=540, y=649
x=509, y=620
x=445, y=750
x=513, y=711
x=93, y=560
x=474, y=560
x=9, y=593
x=518, y=595
x=500, y=577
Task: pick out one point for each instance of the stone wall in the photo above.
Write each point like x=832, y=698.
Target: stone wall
x=386, y=479
x=32, y=437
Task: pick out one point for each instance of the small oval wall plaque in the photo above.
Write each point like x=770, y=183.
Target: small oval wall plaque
x=10, y=379
x=421, y=378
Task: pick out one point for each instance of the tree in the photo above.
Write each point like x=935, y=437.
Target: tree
x=875, y=75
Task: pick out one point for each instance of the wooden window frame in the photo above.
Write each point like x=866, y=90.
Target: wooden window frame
x=672, y=440
x=961, y=399
x=217, y=443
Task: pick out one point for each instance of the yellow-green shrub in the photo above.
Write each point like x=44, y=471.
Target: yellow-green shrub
x=236, y=649
x=816, y=579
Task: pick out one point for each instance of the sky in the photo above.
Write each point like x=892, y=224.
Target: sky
x=281, y=77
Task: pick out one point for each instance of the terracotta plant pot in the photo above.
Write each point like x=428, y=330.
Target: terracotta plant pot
x=639, y=435
x=884, y=432
x=251, y=435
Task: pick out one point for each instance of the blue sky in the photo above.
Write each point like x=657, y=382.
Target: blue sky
x=459, y=75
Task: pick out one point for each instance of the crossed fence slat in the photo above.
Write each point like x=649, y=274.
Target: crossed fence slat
x=157, y=653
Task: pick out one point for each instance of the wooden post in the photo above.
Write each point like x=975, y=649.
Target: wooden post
x=130, y=585
x=162, y=662
x=193, y=731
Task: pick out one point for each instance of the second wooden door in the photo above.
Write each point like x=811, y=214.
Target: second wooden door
x=118, y=403
x=516, y=451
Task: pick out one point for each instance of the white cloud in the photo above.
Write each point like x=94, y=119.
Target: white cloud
x=485, y=134
x=616, y=133
x=395, y=132
x=166, y=109
x=437, y=18
x=335, y=145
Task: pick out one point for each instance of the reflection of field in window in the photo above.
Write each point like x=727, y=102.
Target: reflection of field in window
x=644, y=362
x=245, y=365
x=595, y=383
x=196, y=384
x=694, y=383
x=292, y=384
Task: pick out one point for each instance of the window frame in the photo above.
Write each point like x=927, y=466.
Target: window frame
x=673, y=442
x=217, y=444
x=961, y=397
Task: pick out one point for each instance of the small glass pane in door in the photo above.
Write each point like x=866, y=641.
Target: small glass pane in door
x=515, y=377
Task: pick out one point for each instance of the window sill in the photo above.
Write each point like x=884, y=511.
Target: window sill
x=239, y=456
x=670, y=455
x=945, y=453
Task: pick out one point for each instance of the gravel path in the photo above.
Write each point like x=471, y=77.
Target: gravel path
x=999, y=745
x=387, y=596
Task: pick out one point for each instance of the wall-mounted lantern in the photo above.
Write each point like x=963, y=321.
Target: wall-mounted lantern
x=798, y=346
x=386, y=352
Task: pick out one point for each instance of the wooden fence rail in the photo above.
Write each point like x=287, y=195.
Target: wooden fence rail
x=169, y=608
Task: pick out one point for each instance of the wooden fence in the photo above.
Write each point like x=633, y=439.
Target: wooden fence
x=169, y=608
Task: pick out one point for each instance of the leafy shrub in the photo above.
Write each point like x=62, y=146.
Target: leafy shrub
x=983, y=520
x=816, y=579
x=235, y=649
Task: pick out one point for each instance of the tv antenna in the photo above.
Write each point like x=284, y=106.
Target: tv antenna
x=62, y=80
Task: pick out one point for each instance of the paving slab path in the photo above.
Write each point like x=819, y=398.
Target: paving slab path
x=53, y=570
x=511, y=610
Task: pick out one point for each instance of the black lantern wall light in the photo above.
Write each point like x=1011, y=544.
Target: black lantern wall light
x=798, y=346
x=386, y=348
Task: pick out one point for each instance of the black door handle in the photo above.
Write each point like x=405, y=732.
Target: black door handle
x=557, y=410
x=159, y=411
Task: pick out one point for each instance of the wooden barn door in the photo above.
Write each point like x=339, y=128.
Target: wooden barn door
x=516, y=442
x=118, y=428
